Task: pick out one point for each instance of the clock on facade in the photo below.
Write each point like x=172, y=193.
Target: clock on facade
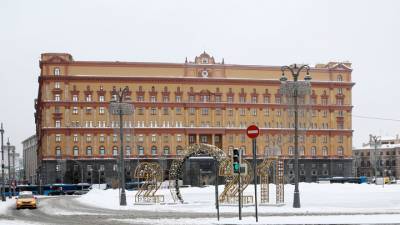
x=204, y=73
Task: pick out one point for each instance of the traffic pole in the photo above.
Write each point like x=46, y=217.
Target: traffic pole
x=240, y=191
x=216, y=188
x=254, y=141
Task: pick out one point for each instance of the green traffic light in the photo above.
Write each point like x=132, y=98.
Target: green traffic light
x=236, y=167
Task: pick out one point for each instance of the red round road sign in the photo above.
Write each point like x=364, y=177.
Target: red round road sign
x=252, y=131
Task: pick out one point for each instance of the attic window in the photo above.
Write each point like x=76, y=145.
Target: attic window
x=339, y=78
x=205, y=61
x=56, y=71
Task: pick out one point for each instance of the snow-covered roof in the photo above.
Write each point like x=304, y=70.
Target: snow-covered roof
x=385, y=146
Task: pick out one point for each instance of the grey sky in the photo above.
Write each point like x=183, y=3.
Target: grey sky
x=367, y=33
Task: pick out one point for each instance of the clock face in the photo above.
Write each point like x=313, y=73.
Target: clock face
x=204, y=73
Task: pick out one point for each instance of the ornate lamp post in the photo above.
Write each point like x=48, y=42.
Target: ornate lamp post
x=3, y=198
x=120, y=108
x=9, y=168
x=294, y=89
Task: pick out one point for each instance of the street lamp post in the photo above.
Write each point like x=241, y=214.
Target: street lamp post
x=376, y=140
x=118, y=107
x=2, y=164
x=9, y=168
x=292, y=89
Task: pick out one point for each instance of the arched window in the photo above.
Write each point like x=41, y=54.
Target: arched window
x=102, y=150
x=267, y=151
x=313, y=151
x=230, y=149
x=301, y=150
x=89, y=150
x=166, y=150
x=76, y=150
x=179, y=150
x=58, y=151
x=290, y=150
x=115, y=151
x=141, y=150
x=324, y=151
x=57, y=71
x=340, y=151
x=128, y=150
x=154, y=150
x=340, y=78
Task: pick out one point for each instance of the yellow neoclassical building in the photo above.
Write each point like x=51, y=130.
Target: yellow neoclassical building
x=178, y=104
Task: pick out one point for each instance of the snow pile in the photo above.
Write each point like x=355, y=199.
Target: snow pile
x=315, y=198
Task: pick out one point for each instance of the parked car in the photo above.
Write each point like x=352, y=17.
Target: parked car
x=26, y=200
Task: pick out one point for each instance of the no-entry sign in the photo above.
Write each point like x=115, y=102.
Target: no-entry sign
x=252, y=131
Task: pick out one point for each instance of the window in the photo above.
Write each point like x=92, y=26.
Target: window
x=325, y=113
x=339, y=101
x=230, y=99
x=58, y=137
x=325, y=139
x=153, y=138
x=74, y=98
x=314, y=139
x=153, y=150
x=266, y=112
x=76, y=150
x=313, y=151
x=166, y=138
x=115, y=167
x=75, y=138
x=57, y=85
x=340, y=139
x=115, y=138
x=165, y=110
x=58, y=168
x=165, y=99
x=230, y=112
x=58, y=123
x=254, y=99
x=278, y=112
x=325, y=151
x=178, y=138
x=340, y=91
x=301, y=150
x=340, y=78
x=101, y=110
x=254, y=112
x=58, y=151
x=243, y=150
x=128, y=150
x=153, y=98
x=178, y=98
x=242, y=111
x=166, y=150
x=179, y=150
x=242, y=99
x=204, y=111
x=88, y=110
x=75, y=110
x=277, y=100
x=242, y=138
x=217, y=98
x=192, y=111
x=203, y=139
x=88, y=150
x=266, y=99
x=57, y=71
x=115, y=151
x=218, y=111
x=340, y=151
x=88, y=98
x=57, y=98
x=128, y=138
x=178, y=110
x=102, y=150
x=140, y=111
x=88, y=138
x=141, y=150
x=101, y=98
x=140, y=138
x=140, y=98
x=291, y=150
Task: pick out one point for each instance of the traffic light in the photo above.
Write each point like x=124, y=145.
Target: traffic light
x=236, y=160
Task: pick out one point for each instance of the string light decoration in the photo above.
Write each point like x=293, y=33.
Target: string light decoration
x=275, y=164
x=230, y=195
x=175, y=172
x=151, y=173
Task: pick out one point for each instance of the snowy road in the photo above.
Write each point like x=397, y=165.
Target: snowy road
x=67, y=210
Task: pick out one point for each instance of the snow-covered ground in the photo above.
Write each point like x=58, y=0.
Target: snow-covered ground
x=315, y=199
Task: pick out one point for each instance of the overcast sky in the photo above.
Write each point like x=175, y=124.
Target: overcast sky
x=367, y=33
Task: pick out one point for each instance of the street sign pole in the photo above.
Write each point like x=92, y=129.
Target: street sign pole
x=216, y=188
x=254, y=140
x=240, y=187
x=252, y=132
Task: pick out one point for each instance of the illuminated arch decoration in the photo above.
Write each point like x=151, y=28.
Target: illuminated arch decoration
x=175, y=171
x=152, y=175
x=276, y=165
x=230, y=194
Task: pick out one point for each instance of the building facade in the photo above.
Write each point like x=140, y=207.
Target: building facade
x=179, y=104
x=10, y=158
x=378, y=157
x=29, y=148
